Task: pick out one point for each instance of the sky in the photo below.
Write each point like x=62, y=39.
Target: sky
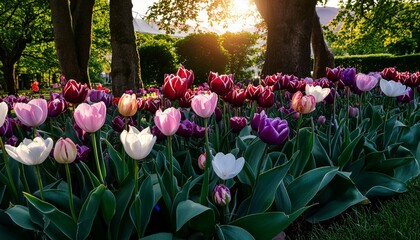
x=141, y=6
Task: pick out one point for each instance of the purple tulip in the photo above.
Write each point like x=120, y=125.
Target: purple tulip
x=199, y=132
x=221, y=195
x=237, y=123
x=407, y=97
x=82, y=153
x=118, y=123
x=366, y=82
x=330, y=98
x=321, y=120
x=80, y=133
x=156, y=132
x=12, y=141
x=218, y=114
x=56, y=107
x=348, y=76
x=256, y=120
x=7, y=128
x=96, y=95
x=273, y=131
x=353, y=112
x=32, y=114
x=186, y=128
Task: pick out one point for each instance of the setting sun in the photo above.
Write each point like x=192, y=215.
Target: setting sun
x=241, y=16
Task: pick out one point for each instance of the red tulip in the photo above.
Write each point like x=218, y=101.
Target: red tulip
x=236, y=97
x=252, y=92
x=221, y=84
x=389, y=73
x=187, y=74
x=174, y=87
x=185, y=101
x=271, y=80
x=266, y=98
x=75, y=92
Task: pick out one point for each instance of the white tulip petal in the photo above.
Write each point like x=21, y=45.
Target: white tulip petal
x=3, y=112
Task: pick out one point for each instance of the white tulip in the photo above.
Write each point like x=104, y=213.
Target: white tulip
x=137, y=144
x=3, y=112
x=226, y=166
x=392, y=88
x=31, y=152
x=317, y=91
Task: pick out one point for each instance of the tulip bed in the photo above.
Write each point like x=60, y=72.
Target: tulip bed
x=221, y=160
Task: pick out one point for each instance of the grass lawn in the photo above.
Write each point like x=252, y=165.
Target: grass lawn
x=393, y=218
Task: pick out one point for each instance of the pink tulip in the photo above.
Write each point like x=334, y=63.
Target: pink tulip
x=90, y=118
x=168, y=121
x=204, y=104
x=365, y=82
x=32, y=114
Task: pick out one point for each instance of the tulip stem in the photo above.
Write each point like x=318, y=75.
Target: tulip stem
x=73, y=214
x=348, y=108
x=297, y=132
x=38, y=173
x=9, y=172
x=126, y=123
x=171, y=166
x=205, y=186
x=95, y=152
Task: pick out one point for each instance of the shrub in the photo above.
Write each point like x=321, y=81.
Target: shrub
x=203, y=53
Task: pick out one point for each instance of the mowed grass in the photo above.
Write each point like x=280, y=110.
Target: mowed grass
x=394, y=218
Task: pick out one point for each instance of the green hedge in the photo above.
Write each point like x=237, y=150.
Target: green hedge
x=377, y=62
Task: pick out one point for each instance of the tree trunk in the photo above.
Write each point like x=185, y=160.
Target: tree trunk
x=289, y=24
x=72, y=36
x=9, y=77
x=125, y=65
x=323, y=57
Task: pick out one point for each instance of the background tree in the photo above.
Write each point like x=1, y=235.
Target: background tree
x=125, y=58
x=21, y=22
x=364, y=27
x=72, y=21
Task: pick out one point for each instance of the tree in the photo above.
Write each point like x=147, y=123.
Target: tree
x=125, y=58
x=22, y=22
x=363, y=27
x=289, y=25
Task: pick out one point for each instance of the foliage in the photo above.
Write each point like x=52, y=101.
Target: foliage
x=377, y=62
x=365, y=27
x=157, y=57
x=241, y=51
x=202, y=53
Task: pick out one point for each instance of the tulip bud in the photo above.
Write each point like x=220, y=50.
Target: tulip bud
x=75, y=92
x=7, y=128
x=407, y=97
x=56, y=107
x=82, y=153
x=389, y=73
x=253, y=92
x=266, y=98
x=218, y=114
x=221, y=195
x=333, y=74
x=202, y=161
x=174, y=87
x=127, y=106
x=65, y=151
x=222, y=84
x=321, y=120
x=303, y=104
x=236, y=97
x=186, y=128
x=199, y=132
x=237, y=124
x=256, y=120
x=187, y=74
x=353, y=112
x=348, y=76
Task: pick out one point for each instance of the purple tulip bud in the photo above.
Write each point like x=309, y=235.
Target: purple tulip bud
x=56, y=107
x=118, y=123
x=199, y=132
x=12, y=141
x=221, y=195
x=82, y=153
x=80, y=133
x=237, y=124
x=218, y=114
x=321, y=120
x=256, y=120
x=353, y=112
x=348, y=76
x=96, y=95
x=186, y=128
x=273, y=131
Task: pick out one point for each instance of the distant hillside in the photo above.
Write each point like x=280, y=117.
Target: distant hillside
x=326, y=14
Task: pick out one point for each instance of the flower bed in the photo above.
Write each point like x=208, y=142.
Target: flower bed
x=224, y=160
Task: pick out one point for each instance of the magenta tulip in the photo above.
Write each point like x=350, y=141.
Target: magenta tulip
x=90, y=118
x=168, y=121
x=32, y=114
x=204, y=104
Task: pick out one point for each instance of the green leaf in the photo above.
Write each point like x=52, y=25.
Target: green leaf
x=345, y=156
x=146, y=196
x=306, y=143
x=254, y=153
x=282, y=199
x=160, y=236
x=228, y=232
x=247, y=175
x=265, y=190
x=267, y=225
x=340, y=194
x=188, y=210
x=374, y=184
x=108, y=206
x=117, y=165
x=56, y=217
x=304, y=188
x=122, y=196
x=88, y=212
x=20, y=215
x=320, y=154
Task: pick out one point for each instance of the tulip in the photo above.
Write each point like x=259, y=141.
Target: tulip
x=389, y=73
x=325, y=83
x=221, y=195
x=237, y=124
x=333, y=74
x=407, y=96
x=218, y=114
x=80, y=133
x=353, y=112
x=236, y=97
x=90, y=118
x=156, y=132
x=35, y=87
x=295, y=86
x=252, y=92
x=221, y=84
x=256, y=120
x=65, y=151
x=283, y=82
x=204, y=104
x=303, y=104
x=266, y=98
x=321, y=120
x=186, y=128
x=118, y=123
x=7, y=128
x=318, y=92
x=4, y=109
x=168, y=121
x=174, y=87
x=127, y=105
x=185, y=101
x=31, y=152
x=56, y=107
x=137, y=144
x=392, y=88
x=96, y=95
x=273, y=131
x=82, y=153
x=32, y=114
x=199, y=132
x=227, y=166
x=366, y=82
x=271, y=80
x=348, y=76
x=75, y=92
x=187, y=74
x=152, y=105
x=202, y=161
